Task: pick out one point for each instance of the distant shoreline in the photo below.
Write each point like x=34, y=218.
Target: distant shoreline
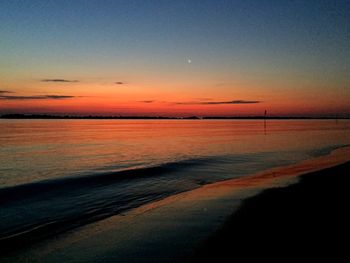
x=91, y=117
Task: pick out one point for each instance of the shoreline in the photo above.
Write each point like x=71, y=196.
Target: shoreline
x=308, y=220
x=168, y=230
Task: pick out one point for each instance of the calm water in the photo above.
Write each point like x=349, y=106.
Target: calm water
x=59, y=174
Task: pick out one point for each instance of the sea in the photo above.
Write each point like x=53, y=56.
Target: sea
x=57, y=175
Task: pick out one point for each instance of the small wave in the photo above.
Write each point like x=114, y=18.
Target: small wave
x=39, y=188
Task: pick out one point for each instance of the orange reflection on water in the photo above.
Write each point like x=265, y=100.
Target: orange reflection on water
x=56, y=147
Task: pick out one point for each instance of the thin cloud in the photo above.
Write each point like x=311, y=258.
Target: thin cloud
x=146, y=101
x=119, y=83
x=59, y=80
x=39, y=97
x=218, y=102
x=232, y=102
x=5, y=92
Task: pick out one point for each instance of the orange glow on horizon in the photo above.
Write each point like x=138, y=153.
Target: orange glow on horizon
x=140, y=98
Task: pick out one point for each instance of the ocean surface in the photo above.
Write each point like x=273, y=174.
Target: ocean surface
x=56, y=175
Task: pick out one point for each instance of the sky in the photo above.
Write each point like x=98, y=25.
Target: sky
x=175, y=58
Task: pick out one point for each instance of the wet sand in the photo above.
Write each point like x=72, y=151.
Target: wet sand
x=171, y=229
x=305, y=221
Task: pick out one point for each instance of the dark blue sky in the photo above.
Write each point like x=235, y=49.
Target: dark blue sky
x=269, y=26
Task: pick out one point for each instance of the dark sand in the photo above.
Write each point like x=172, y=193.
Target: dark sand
x=305, y=221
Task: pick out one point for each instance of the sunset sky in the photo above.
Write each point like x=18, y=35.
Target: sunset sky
x=175, y=58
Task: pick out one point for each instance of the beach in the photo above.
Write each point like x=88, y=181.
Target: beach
x=308, y=220
x=196, y=225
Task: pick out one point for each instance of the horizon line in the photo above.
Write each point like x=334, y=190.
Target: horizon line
x=53, y=116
